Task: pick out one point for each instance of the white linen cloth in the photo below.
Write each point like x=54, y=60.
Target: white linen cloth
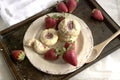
x=14, y=11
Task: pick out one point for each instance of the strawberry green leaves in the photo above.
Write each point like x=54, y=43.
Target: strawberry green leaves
x=18, y=55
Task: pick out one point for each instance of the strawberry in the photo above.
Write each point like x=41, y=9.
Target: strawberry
x=60, y=18
x=18, y=55
x=51, y=55
x=97, y=14
x=50, y=22
x=70, y=55
x=71, y=5
x=61, y=7
x=67, y=44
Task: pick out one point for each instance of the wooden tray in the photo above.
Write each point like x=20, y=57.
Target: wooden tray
x=11, y=38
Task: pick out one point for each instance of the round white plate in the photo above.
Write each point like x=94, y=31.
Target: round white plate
x=84, y=46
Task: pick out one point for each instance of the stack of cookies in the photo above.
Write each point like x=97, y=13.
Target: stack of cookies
x=68, y=29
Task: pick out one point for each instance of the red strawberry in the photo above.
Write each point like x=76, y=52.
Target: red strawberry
x=97, y=14
x=60, y=18
x=67, y=44
x=70, y=56
x=71, y=4
x=61, y=7
x=50, y=22
x=18, y=55
x=51, y=54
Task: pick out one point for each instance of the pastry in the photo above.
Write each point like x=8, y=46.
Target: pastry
x=39, y=47
x=69, y=29
x=49, y=37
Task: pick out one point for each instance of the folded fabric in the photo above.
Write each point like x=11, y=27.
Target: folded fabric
x=14, y=11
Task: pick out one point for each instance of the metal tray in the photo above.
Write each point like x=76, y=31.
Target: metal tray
x=12, y=37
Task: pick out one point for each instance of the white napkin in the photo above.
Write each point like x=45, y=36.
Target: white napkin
x=14, y=11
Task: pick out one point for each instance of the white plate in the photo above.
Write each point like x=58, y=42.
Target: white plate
x=84, y=48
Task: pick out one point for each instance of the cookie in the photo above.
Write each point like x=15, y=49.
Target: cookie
x=49, y=37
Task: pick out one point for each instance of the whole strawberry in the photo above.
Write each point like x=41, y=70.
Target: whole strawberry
x=71, y=5
x=18, y=55
x=51, y=54
x=70, y=55
x=50, y=22
x=61, y=7
x=97, y=14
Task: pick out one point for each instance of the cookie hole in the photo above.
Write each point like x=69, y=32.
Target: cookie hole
x=49, y=36
x=70, y=25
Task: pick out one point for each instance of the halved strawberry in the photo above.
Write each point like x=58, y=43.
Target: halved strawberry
x=18, y=55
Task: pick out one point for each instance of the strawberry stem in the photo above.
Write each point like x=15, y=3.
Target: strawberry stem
x=63, y=51
x=69, y=47
x=60, y=52
x=77, y=0
x=55, y=17
x=65, y=14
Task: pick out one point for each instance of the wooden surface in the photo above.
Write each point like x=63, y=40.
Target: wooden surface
x=11, y=38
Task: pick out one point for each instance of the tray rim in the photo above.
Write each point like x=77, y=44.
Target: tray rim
x=34, y=17
x=8, y=60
